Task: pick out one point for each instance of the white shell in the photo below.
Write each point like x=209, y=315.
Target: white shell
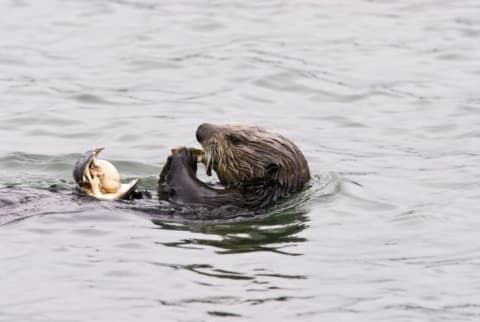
x=103, y=181
x=108, y=175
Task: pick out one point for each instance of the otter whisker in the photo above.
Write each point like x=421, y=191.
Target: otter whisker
x=209, y=158
x=209, y=165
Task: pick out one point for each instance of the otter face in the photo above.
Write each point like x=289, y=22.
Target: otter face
x=242, y=154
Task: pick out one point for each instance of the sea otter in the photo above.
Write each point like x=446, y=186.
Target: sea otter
x=256, y=167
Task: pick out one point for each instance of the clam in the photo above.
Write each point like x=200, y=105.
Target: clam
x=100, y=179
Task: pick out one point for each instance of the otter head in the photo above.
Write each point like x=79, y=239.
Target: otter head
x=243, y=155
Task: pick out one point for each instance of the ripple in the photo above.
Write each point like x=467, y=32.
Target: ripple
x=91, y=98
x=224, y=314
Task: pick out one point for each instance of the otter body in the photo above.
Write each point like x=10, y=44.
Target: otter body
x=255, y=166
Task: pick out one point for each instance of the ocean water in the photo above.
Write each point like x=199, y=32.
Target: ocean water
x=382, y=97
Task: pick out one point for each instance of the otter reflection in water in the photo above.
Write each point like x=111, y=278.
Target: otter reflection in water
x=255, y=166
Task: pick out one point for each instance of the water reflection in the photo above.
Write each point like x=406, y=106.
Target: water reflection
x=273, y=233
x=273, y=230
x=207, y=270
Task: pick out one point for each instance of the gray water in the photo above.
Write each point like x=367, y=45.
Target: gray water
x=383, y=97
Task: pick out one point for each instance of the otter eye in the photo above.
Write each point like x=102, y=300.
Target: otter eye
x=234, y=139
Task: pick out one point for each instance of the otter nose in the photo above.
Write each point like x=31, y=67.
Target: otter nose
x=204, y=131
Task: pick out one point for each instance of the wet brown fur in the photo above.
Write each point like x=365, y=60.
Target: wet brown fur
x=262, y=166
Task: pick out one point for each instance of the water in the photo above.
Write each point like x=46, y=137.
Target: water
x=383, y=98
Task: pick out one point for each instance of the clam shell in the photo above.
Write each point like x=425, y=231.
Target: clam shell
x=112, y=186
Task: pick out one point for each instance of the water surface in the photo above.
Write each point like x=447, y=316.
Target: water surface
x=383, y=98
